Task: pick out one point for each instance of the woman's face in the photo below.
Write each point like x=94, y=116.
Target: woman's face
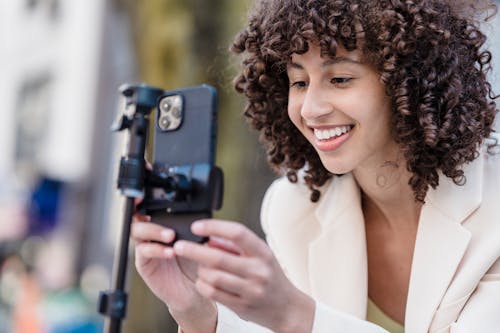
x=341, y=107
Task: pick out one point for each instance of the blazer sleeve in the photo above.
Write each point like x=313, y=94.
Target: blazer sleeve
x=230, y=322
x=481, y=313
x=326, y=320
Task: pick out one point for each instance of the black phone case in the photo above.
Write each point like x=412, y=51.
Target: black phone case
x=193, y=143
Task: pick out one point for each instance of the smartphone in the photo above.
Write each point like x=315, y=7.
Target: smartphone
x=183, y=154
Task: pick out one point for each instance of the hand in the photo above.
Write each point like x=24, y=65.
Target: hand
x=247, y=279
x=171, y=278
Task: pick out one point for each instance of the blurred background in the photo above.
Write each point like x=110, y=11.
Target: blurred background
x=61, y=63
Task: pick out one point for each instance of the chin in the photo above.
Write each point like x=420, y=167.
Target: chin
x=337, y=168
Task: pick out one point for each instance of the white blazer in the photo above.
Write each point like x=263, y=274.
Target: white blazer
x=455, y=275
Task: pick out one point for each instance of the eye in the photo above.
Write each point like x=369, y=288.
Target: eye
x=340, y=80
x=298, y=84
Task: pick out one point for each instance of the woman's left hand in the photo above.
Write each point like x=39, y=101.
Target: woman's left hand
x=237, y=269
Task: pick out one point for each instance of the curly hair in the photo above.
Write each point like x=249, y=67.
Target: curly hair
x=431, y=60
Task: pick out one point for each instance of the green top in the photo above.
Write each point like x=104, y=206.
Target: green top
x=376, y=316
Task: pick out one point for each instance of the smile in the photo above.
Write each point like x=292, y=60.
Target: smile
x=331, y=138
x=327, y=134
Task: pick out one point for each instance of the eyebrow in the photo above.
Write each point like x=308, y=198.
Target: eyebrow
x=329, y=62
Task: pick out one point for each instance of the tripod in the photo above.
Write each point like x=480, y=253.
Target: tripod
x=191, y=187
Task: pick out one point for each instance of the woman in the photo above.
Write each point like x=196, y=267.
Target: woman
x=380, y=115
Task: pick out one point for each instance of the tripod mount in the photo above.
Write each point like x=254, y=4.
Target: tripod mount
x=184, y=189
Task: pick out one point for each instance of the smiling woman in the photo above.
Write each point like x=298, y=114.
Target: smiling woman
x=378, y=115
x=409, y=45
x=345, y=97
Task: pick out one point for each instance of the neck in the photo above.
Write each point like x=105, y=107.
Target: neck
x=388, y=196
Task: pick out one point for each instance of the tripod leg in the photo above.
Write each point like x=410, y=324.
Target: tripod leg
x=114, y=303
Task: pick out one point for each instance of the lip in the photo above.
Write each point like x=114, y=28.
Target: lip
x=333, y=143
x=324, y=127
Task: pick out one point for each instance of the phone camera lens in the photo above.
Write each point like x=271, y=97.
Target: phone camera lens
x=164, y=122
x=176, y=112
x=165, y=105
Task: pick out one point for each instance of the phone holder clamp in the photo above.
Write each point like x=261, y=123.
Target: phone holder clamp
x=186, y=188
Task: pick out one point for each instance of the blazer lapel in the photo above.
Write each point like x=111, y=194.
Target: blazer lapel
x=337, y=257
x=440, y=245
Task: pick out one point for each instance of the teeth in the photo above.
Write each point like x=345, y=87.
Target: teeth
x=330, y=133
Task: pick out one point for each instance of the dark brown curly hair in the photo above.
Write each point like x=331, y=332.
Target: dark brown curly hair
x=429, y=54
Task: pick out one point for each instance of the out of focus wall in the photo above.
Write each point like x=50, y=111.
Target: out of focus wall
x=49, y=58
x=61, y=63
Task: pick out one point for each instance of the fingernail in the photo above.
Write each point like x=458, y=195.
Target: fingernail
x=197, y=226
x=169, y=253
x=167, y=234
x=179, y=247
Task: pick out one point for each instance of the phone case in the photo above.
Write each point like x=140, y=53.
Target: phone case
x=188, y=150
x=194, y=140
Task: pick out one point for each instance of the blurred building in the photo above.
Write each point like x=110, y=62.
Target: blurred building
x=61, y=63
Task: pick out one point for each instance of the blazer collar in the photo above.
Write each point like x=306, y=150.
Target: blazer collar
x=456, y=201
x=341, y=194
x=440, y=245
x=337, y=257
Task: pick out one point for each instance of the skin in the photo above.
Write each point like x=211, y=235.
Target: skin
x=246, y=277
x=171, y=278
x=326, y=94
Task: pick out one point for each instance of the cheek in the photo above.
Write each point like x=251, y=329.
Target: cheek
x=379, y=124
x=294, y=113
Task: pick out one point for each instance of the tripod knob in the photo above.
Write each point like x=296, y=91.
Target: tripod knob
x=120, y=124
x=113, y=304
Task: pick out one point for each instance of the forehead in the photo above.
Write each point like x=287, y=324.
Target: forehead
x=340, y=55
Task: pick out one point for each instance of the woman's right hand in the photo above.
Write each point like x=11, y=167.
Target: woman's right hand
x=169, y=277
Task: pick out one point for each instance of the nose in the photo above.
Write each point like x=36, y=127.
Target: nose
x=316, y=103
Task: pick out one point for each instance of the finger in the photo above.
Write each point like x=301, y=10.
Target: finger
x=212, y=257
x=217, y=295
x=232, y=301
x=237, y=233
x=138, y=216
x=187, y=267
x=222, y=280
x=142, y=218
x=147, y=250
x=151, y=232
x=225, y=245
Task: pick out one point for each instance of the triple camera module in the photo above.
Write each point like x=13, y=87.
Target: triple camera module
x=170, y=109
